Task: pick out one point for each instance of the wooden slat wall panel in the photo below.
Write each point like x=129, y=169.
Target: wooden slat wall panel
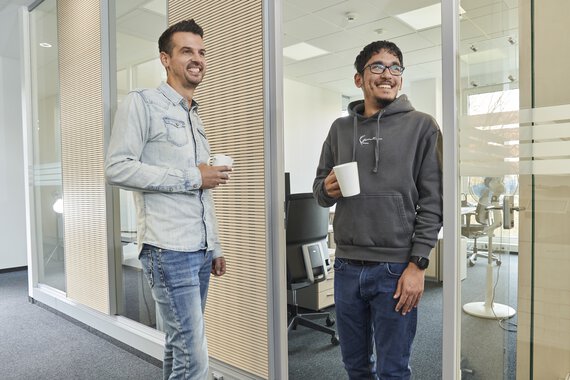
x=232, y=108
x=86, y=260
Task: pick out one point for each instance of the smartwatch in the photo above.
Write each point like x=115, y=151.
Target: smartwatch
x=420, y=261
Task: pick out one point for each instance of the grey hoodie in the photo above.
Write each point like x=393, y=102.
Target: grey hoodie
x=398, y=212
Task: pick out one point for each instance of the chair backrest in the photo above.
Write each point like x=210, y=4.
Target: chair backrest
x=306, y=232
x=482, y=214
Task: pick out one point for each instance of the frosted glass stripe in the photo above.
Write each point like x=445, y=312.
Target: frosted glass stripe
x=545, y=114
x=533, y=141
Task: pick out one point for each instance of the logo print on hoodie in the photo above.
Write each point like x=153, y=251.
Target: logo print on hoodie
x=366, y=140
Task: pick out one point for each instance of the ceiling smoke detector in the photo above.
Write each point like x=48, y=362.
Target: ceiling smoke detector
x=350, y=16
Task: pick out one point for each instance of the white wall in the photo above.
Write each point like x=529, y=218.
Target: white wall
x=426, y=96
x=309, y=112
x=12, y=223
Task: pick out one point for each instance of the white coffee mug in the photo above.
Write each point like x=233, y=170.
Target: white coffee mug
x=221, y=160
x=347, y=177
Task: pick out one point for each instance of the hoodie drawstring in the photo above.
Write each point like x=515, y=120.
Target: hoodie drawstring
x=377, y=140
x=377, y=147
x=354, y=138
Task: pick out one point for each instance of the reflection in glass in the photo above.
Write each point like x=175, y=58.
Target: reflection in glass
x=46, y=142
x=138, y=66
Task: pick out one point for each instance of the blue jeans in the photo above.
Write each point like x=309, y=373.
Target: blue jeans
x=367, y=321
x=179, y=283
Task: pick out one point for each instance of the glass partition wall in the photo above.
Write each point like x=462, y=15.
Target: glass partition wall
x=488, y=138
x=513, y=136
x=45, y=179
x=138, y=26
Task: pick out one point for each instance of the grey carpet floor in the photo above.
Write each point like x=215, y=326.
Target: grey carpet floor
x=488, y=350
x=38, y=344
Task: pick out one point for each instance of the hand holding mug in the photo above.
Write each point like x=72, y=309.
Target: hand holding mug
x=332, y=188
x=217, y=172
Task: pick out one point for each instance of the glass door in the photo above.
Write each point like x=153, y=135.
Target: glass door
x=514, y=139
x=489, y=186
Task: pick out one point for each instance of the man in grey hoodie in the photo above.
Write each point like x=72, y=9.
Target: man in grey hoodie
x=383, y=235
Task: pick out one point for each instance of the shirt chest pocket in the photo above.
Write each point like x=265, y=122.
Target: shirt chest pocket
x=175, y=131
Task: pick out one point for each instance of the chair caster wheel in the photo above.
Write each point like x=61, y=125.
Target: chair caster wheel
x=330, y=321
x=499, y=262
x=471, y=262
x=335, y=341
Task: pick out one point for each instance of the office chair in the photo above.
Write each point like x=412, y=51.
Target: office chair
x=475, y=230
x=308, y=261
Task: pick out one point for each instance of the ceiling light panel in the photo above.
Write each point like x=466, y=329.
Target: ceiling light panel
x=302, y=51
x=422, y=18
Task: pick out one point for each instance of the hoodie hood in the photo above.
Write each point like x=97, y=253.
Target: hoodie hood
x=356, y=110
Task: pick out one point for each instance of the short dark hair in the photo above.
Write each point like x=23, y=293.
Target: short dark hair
x=375, y=48
x=165, y=40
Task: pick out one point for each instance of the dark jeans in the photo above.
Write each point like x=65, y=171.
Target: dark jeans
x=367, y=320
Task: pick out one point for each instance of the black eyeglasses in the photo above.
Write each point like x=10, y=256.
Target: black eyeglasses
x=378, y=68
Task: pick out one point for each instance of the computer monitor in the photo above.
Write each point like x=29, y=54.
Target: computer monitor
x=306, y=220
x=306, y=232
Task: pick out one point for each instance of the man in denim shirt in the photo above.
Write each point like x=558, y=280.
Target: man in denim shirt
x=159, y=150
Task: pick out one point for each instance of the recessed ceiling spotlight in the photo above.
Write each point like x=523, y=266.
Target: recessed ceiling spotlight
x=379, y=31
x=473, y=48
x=45, y=44
x=474, y=84
x=511, y=40
x=512, y=78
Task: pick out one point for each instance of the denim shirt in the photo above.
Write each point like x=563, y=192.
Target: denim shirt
x=156, y=144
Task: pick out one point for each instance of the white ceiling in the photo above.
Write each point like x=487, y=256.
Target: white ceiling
x=324, y=24
x=486, y=25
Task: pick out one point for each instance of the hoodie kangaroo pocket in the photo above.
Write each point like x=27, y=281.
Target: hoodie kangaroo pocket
x=372, y=220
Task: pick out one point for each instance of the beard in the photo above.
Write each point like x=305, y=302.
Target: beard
x=384, y=102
